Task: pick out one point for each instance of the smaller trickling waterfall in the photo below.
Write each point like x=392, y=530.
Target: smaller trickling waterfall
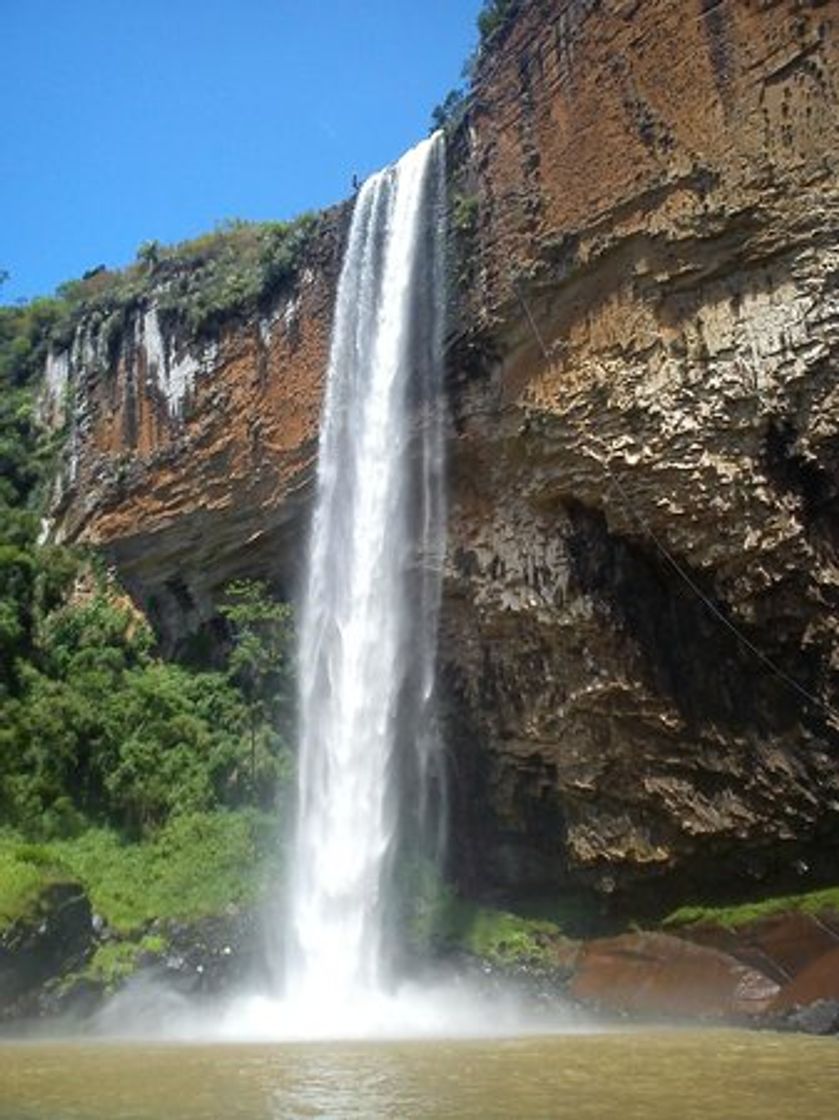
x=369, y=620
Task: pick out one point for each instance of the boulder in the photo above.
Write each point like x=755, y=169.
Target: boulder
x=654, y=974
x=781, y=945
x=821, y=1017
x=817, y=982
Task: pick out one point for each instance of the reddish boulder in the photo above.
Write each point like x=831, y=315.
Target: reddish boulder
x=819, y=981
x=781, y=945
x=655, y=974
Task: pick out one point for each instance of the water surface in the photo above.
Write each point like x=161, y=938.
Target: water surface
x=633, y=1075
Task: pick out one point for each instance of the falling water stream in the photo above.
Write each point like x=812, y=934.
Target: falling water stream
x=370, y=790
x=369, y=614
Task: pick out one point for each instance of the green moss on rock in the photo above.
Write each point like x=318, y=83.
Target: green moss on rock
x=734, y=917
x=115, y=961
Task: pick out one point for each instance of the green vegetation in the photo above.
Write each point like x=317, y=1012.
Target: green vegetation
x=195, y=866
x=25, y=453
x=197, y=286
x=260, y=666
x=465, y=209
x=25, y=871
x=438, y=918
x=492, y=16
x=498, y=936
x=115, y=961
x=450, y=112
x=733, y=917
x=150, y=783
x=231, y=272
x=464, y=212
x=96, y=730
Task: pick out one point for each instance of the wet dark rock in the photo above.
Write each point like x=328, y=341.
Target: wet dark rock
x=821, y=1017
x=212, y=955
x=53, y=941
x=70, y=998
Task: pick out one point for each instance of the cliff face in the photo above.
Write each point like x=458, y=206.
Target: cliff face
x=649, y=382
x=642, y=370
x=190, y=460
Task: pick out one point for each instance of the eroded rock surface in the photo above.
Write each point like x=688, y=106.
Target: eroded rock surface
x=645, y=415
x=651, y=974
x=51, y=941
x=190, y=460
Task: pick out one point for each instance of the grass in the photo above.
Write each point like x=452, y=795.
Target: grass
x=115, y=961
x=198, y=865
x=734, y=917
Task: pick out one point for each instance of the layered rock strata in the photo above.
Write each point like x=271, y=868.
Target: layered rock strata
x=190, y=459
x=645, y=420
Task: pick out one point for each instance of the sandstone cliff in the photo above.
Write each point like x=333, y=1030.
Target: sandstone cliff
x=189, y=459
x=642, y=365
x=656, y=198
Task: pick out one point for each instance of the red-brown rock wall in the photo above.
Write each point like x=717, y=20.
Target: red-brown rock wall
x=190, y=460
x=647, y=416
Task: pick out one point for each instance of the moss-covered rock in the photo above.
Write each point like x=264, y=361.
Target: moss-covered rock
x=743, y=914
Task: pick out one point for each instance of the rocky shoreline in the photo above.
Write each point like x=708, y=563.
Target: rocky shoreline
x=61, y=966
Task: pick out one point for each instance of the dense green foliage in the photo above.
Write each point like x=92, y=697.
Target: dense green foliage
x=260, y=667
x=95, y=729
x=25, y=454
x=115, y=961
x=196, y=865
x=197, y=284
x=25, y=871
x=203, y=282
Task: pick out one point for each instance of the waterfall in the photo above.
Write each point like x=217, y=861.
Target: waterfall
x=367, y=759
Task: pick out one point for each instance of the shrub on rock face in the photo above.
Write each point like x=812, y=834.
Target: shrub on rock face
x=492, y=16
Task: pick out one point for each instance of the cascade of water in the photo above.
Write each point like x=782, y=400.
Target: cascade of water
x=369, y=620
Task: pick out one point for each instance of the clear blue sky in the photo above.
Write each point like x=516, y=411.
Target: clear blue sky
x=127, y=120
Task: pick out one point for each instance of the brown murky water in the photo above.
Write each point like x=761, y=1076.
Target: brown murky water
x=650, y=1075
